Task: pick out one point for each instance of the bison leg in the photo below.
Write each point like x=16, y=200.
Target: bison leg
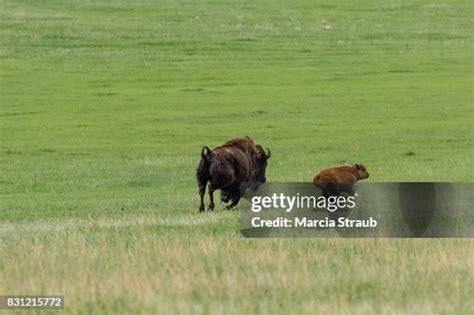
x=235, y=199
x=202, y=191
x=225, y=195
x=211, y=197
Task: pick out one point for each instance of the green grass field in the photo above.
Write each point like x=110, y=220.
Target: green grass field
x=105, y=106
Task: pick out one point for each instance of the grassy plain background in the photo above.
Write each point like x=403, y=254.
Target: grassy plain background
x=106, y=104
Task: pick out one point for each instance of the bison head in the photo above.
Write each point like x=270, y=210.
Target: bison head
x=261, y=164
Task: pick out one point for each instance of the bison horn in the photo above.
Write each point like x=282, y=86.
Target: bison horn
x=269, y=153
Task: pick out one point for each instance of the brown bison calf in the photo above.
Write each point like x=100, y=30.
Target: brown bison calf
x=333, y=181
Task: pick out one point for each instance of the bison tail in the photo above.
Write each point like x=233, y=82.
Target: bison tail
x=205, y=154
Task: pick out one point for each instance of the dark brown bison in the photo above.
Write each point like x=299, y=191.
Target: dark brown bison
x=231, y=167
x=333, y=181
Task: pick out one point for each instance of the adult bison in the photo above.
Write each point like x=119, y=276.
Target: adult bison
x=231, y=167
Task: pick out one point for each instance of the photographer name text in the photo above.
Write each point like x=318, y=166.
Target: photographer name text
x=283, y=222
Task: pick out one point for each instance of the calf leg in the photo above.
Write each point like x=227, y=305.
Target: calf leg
x=332, y=189
x=348, y=188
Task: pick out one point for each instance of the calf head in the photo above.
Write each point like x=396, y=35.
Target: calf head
x=361, y=171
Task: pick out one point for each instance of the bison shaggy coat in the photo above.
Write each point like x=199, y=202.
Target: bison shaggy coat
x=230, y=167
